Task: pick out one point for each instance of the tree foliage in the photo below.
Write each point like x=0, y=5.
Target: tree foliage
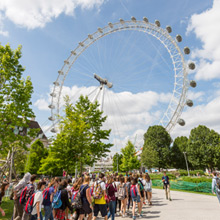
x=204, y=148
x=149, y=157
x=37, y=153
x=15, y=99
x=81, y=138
x=117, y=161
x=129, y=158
x=157, y=142
x=177, y=157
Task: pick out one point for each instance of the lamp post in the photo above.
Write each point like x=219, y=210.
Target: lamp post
x=186, y=163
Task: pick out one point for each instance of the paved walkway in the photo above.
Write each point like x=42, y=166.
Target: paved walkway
x=184, y=206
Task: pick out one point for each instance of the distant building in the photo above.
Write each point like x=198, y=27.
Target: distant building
x=33, y=124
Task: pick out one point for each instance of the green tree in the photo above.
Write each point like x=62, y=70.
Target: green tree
x=80, y=140
x=129, y=159
x=176, y=154
x=15, y=100
x=37, y=153
x=20, y=158
x=117, y=161
x=158, y=140
x=149, y=157
x=203, y=148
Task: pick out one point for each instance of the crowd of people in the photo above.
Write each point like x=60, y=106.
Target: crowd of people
x=85, y=197
x=81, y=198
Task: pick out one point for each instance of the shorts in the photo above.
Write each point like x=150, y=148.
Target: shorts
x=102, y=208
x=149, y=190
x=136, y=199
x=85, y=209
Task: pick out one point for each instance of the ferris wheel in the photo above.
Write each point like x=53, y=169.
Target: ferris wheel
x=180, y=67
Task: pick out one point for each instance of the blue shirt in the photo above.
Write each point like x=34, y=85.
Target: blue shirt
x=47, y=201
x=166, y=178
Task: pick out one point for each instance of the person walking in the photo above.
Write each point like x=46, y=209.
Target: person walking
x=47, y=202
x=122, y=195
x=128, y=185
x=136, y=197
x=30, y=190
x=99, y=195
x=117, y=202
x=18, y=208
x=148, y=187
x=38, y=200
x=216, y=185
x=75, y=189
x=111, y=190
x=86, y=199
x=3, y=188
x=60, y=212
x=166, y=186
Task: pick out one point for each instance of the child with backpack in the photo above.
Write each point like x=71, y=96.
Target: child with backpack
x=99, y=195
x=128, y=185
x=111, y=190
x=47, y=201
x=18, y=208
x=62, y=201
x=25, y=195
x=136, y=197
x=37, y=199
x=75, y=190
x=86, y=199
x=122, y=195
x=216, y=185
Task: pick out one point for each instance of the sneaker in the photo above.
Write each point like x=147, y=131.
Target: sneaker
x=120, y=213
x=133, y=217
x=140, y=216
x=170, y=199
x=144, y=203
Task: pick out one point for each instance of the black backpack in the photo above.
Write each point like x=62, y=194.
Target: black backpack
x=218, y=183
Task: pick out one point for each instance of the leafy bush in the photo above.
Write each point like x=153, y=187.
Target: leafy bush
x=192, y=172
x=195, y=179
x=155, y=176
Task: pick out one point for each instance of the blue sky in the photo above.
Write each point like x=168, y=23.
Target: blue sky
x=137, y=64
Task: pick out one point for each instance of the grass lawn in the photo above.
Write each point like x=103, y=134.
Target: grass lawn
x=7, y=206
x=180, y=190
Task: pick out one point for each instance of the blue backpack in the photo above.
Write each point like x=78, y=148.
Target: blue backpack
x=133, y=191
x=57, y=203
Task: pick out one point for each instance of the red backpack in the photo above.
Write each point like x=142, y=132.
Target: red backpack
x=45, y=195
x=133, y=191
x=22, y=196
x=29, y=205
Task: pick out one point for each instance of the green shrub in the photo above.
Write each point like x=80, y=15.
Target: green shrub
x=195, y=179
x=158, y=176
x=191, y=172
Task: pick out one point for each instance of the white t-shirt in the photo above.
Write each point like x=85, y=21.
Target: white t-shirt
x=116, y=184
x=102, y=185
x=37, y=198
x=144, y=182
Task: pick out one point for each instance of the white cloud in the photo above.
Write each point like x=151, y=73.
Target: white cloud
x=42, y=104
x=206, y=26
x=128, y=114
x=208, y=115
x=37, y=13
